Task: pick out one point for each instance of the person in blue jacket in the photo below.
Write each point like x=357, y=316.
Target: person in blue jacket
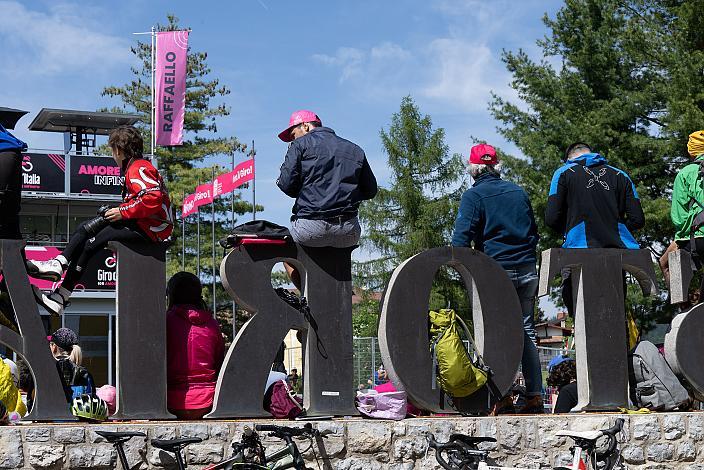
x=10, y=184
x=593, y=205
x=497, y=218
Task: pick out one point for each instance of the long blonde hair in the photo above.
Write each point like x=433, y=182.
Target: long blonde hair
x=75, y=356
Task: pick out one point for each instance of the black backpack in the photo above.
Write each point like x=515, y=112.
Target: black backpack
x=255, y=229
x=75, y=379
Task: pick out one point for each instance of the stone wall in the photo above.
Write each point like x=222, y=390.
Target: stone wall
x=673, y=441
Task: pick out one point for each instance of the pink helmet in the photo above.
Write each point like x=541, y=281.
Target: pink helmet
x=298, y=117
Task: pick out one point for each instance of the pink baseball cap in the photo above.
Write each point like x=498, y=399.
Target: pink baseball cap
x=298, y=117
x=483, y=154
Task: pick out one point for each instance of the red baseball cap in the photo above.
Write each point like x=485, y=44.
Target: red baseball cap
x=298, y=117
x=483, y=154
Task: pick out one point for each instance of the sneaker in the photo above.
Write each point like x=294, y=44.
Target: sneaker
x=53, y=302
x=50, y=270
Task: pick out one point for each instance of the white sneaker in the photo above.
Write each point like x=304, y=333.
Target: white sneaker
x=53, y=302
x=49, y=270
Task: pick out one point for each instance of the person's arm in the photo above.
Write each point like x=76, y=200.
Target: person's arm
x=556, y=209
x=290, y=177
x=367, y=182
x=145, y=183
x=635, y=218
x=679, y=211
x=467, y=221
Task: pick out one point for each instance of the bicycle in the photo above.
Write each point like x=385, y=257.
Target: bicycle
x=117, y=439
x=250, y=454
x=462, y=453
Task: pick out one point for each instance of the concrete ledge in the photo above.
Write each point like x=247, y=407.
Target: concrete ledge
x=673, y=441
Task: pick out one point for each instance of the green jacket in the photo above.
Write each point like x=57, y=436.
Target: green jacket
x=688, y=186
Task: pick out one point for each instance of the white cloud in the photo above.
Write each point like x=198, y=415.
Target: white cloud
x=348, y=59
x=465, y=73
x=56, y=41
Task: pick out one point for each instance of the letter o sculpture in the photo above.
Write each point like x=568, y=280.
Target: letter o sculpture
x=403, y=330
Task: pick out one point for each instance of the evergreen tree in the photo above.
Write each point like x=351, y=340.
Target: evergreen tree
x=418, y=208
x=627, y=81
x=183, y=167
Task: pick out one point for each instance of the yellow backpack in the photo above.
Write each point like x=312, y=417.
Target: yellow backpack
x=454, y=369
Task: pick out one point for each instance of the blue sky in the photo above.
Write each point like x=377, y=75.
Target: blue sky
x=350, y=62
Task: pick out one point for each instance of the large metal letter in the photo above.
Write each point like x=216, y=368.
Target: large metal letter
x=600, y=328
x=328, y=379
x=684, y=347
x=50, y=401
x=141, y=331
x=403, y=331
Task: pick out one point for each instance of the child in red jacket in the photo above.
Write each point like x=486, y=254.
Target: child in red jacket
x=144, y=215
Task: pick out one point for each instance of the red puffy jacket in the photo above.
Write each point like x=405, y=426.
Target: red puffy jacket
x=146, y=200
x=194, y=351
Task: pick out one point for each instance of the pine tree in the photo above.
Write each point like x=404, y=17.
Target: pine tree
x=418, y=208
x=183, y=167
x=623, y=76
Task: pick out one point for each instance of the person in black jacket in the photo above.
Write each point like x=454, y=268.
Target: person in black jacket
x=593, y=204
x=329, y=177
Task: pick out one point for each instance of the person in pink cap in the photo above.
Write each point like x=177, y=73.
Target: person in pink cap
x=329, y=177
x=496, y=217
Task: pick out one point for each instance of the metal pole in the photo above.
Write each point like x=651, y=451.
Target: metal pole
x=153, y=113
x=254, y=185
x=198, y=239
x=183, y=235
x=212, y=228
x=232, y=215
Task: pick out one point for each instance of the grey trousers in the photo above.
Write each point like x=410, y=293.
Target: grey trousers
x=318, y=233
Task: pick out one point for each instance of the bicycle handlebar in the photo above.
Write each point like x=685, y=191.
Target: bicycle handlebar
x=287, y=431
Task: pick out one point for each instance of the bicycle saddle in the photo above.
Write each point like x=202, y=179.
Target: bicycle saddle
x=471, y=440
x=586, y=435
x=112, y=436
x=171, y=445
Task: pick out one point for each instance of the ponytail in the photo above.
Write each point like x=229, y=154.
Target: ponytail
x=76, y=355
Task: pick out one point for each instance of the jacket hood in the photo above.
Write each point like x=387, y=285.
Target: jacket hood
x=589, y=159
x=194, y=315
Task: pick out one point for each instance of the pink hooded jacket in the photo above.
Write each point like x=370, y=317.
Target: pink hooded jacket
x=194, y=351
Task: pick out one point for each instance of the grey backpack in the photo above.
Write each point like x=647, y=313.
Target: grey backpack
x=653, y=384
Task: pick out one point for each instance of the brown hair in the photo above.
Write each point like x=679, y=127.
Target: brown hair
x=128, y=140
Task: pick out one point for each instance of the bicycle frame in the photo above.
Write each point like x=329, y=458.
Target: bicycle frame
x=286, y=457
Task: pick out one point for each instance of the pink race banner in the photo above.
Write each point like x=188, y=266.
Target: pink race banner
x=171, y=58
x=228, y=182
x=189, y=206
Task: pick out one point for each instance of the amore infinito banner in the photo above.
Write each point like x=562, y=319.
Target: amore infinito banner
x=403, y=336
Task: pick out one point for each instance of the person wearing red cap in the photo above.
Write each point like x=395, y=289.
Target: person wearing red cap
x=496, y=217
x=329, y=177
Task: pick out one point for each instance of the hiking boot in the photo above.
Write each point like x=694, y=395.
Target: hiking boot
x=534, y=405
x=503, y=407
x=54, y=302
x=49, y=270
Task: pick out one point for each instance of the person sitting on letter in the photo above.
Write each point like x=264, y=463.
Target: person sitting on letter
x=144, y=215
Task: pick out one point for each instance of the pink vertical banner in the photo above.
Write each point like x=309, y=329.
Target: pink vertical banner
x=170, y=79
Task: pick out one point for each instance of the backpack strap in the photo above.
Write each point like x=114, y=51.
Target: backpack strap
x=493, y=388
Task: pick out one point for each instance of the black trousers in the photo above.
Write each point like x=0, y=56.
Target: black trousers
x=82, y=246
x=10, y=194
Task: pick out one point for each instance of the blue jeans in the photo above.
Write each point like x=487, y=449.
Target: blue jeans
x=525, y=280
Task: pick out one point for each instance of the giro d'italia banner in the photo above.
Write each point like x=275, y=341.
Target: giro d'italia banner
x=99, y=274
x=43, y=172
x=170, y=89
x=95, y=175
x=223, y=184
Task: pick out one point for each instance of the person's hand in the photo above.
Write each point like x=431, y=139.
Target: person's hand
x=113, y=214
